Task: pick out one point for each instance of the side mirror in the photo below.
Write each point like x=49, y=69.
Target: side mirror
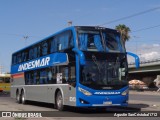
x=137, y=61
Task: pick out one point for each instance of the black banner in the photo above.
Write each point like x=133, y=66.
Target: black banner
x=39, y=114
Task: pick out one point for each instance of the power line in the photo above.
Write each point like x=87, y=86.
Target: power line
x=19, y=35
x=89, y=13
x=10, y=34
x=146, y=28
x=130, y=16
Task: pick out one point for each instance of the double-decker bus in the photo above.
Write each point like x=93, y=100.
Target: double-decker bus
x=81, y=66
x=5, y=82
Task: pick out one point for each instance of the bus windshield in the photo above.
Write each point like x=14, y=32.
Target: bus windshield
x=103, y=74
x=99, y=40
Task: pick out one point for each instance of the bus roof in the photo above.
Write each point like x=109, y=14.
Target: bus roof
x=68, y=28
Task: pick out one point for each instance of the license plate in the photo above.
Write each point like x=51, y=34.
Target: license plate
x=107, y=103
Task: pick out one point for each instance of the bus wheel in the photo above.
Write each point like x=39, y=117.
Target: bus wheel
x=18, y=97
x=59, y=101
x=23, y=98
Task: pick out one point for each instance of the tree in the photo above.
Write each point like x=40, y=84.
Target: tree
x=124, y=31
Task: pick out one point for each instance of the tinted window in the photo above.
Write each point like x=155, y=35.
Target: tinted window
x=39, y=51
x=43, y=77
x=36, y=77
x=65, y=74
x=29, y=78
x=19, y=58
x=68, y=73
x=99, y=40
x=51, y=75
x=31, y=54
x=35, y=52
x=90, y=41
x=54, y=45
x=25, y=55
x=44, y=48
x=62, y=41
x=65, y=40
x=35, y=49
x=112, y=41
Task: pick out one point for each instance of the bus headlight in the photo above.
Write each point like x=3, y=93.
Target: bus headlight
x=125, y=92
x=85, y=92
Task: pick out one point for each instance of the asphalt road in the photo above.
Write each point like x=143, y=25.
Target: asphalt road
x=144, y=97
x=9, y=104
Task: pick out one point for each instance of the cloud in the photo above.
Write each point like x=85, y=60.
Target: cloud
x=150, y=55
x=156, y=45
x=146, y=52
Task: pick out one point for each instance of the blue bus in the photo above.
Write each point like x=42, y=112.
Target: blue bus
x=80, y=66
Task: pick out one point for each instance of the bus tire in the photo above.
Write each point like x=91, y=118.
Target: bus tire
x=18, y=97
x=23, y=97
x=59, y=101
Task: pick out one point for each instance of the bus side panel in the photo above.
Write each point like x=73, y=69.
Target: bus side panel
x=36, y=93
x=18, y=79
x=17, y=82
x=13, y=92
x=69, y=93
x=46, y=93
x=41, y=93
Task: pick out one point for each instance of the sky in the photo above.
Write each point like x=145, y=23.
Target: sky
x=38, y=19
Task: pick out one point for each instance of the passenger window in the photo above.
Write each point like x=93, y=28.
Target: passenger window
x=111, y=41
x=51, y=75
x=36, y=77
x=29, y=78
x=71, y=42
x=72, y=74
x=43, y=77
x=31, y=54
x=91, y=44
x=39, y=51
x=19, y=58
x=65, y=75
x=35, y=55
x=68, y=74
x=54, y=45
x=44, y=48
x=63, y=41
x=24, y=56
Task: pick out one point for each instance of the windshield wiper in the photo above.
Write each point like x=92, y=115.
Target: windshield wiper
x=95, y=61
x=103, y=41
x=99, y=70
x=116, y=66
